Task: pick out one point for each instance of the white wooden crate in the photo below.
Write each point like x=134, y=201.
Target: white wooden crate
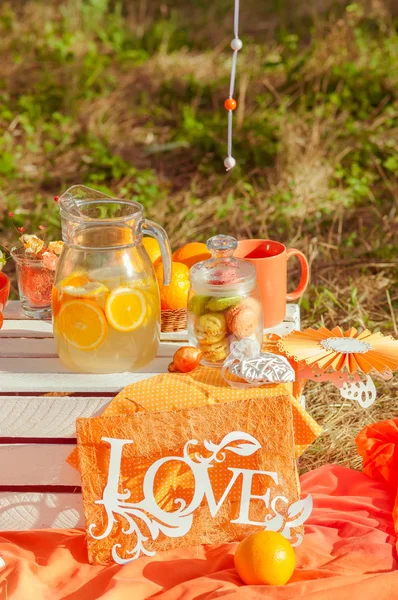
x=38, y=488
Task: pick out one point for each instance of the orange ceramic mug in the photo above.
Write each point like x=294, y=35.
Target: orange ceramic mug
x=270, y=259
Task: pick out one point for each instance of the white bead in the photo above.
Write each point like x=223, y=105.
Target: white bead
x=236, y=44
x=229, y=163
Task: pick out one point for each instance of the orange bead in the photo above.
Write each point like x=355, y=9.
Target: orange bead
x=230, y=104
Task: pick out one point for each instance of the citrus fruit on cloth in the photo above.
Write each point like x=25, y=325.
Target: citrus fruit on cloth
x=82, y=323
x=126, y=309
x=153, y=249
x=265, y=557
x=191, y=253
x=175, y=295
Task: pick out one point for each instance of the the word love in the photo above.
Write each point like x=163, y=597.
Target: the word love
x=146, y=518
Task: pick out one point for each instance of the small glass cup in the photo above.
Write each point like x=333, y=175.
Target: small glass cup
x=4, y=291
x=35, y=283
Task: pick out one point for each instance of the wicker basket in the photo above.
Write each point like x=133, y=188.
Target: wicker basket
x=174, y=320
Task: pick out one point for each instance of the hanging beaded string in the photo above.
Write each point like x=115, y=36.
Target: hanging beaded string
x=230, y=103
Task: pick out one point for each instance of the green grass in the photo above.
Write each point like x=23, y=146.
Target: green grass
x=128, y=97
x=130, y=101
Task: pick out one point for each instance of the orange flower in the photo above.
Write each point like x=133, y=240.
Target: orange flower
x=339, y=350
x=378, y=445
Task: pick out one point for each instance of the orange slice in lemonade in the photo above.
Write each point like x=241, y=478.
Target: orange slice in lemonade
x=126, y=309
x=55, y=301
x=76, y=279
x=83, y=324
x=88, y=290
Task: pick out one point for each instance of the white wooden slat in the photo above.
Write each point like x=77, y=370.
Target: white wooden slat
x=20, y=347
x=25, y=347
x=22, y=511
x=68, y=382
x=26, y=329
x=46, y=416
x=33, y=328
x=293, y=313
x=13, y=310
x=49, y=416
x=17, y=346
x=174, y=336
x=54, y=365
x=14, y=314
x=291, y=321
x=37, y=464
x=43, y=329
x=282, y=329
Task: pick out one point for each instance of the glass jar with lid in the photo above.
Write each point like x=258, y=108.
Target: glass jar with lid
x=224, y=302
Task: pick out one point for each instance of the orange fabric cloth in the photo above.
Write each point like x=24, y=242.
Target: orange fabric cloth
x=205, y=386
x=348, y=553
x=378, y=446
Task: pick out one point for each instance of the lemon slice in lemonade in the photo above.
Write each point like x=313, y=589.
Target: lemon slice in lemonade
x=83, y=324
x=88, y=290
x=126, y=309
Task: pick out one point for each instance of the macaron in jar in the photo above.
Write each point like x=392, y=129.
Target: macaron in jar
x=224, y=302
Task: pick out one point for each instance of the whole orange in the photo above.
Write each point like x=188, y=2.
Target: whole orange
x=191, y=253
x=265, y=557
x=152, y=247
x=175, y=295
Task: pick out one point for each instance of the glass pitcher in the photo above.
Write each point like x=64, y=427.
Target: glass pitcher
x=105, y=301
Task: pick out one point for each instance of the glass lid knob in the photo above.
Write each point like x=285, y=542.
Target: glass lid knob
x=221, y=246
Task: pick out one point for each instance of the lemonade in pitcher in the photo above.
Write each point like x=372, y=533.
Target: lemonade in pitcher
x=105, y=301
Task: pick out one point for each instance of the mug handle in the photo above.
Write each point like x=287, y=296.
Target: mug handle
x=305, y=274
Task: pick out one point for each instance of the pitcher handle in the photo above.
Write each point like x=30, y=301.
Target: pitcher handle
x=156, y=231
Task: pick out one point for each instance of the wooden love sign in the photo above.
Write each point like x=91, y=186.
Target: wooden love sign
x=202, y=475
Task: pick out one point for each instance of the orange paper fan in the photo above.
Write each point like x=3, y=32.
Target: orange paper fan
x=339, y=350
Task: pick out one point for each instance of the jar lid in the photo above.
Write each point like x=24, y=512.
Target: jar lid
x=223, y=272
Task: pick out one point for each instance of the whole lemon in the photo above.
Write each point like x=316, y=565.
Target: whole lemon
x=152, y=247
x=265, y=557
x=175, y=295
